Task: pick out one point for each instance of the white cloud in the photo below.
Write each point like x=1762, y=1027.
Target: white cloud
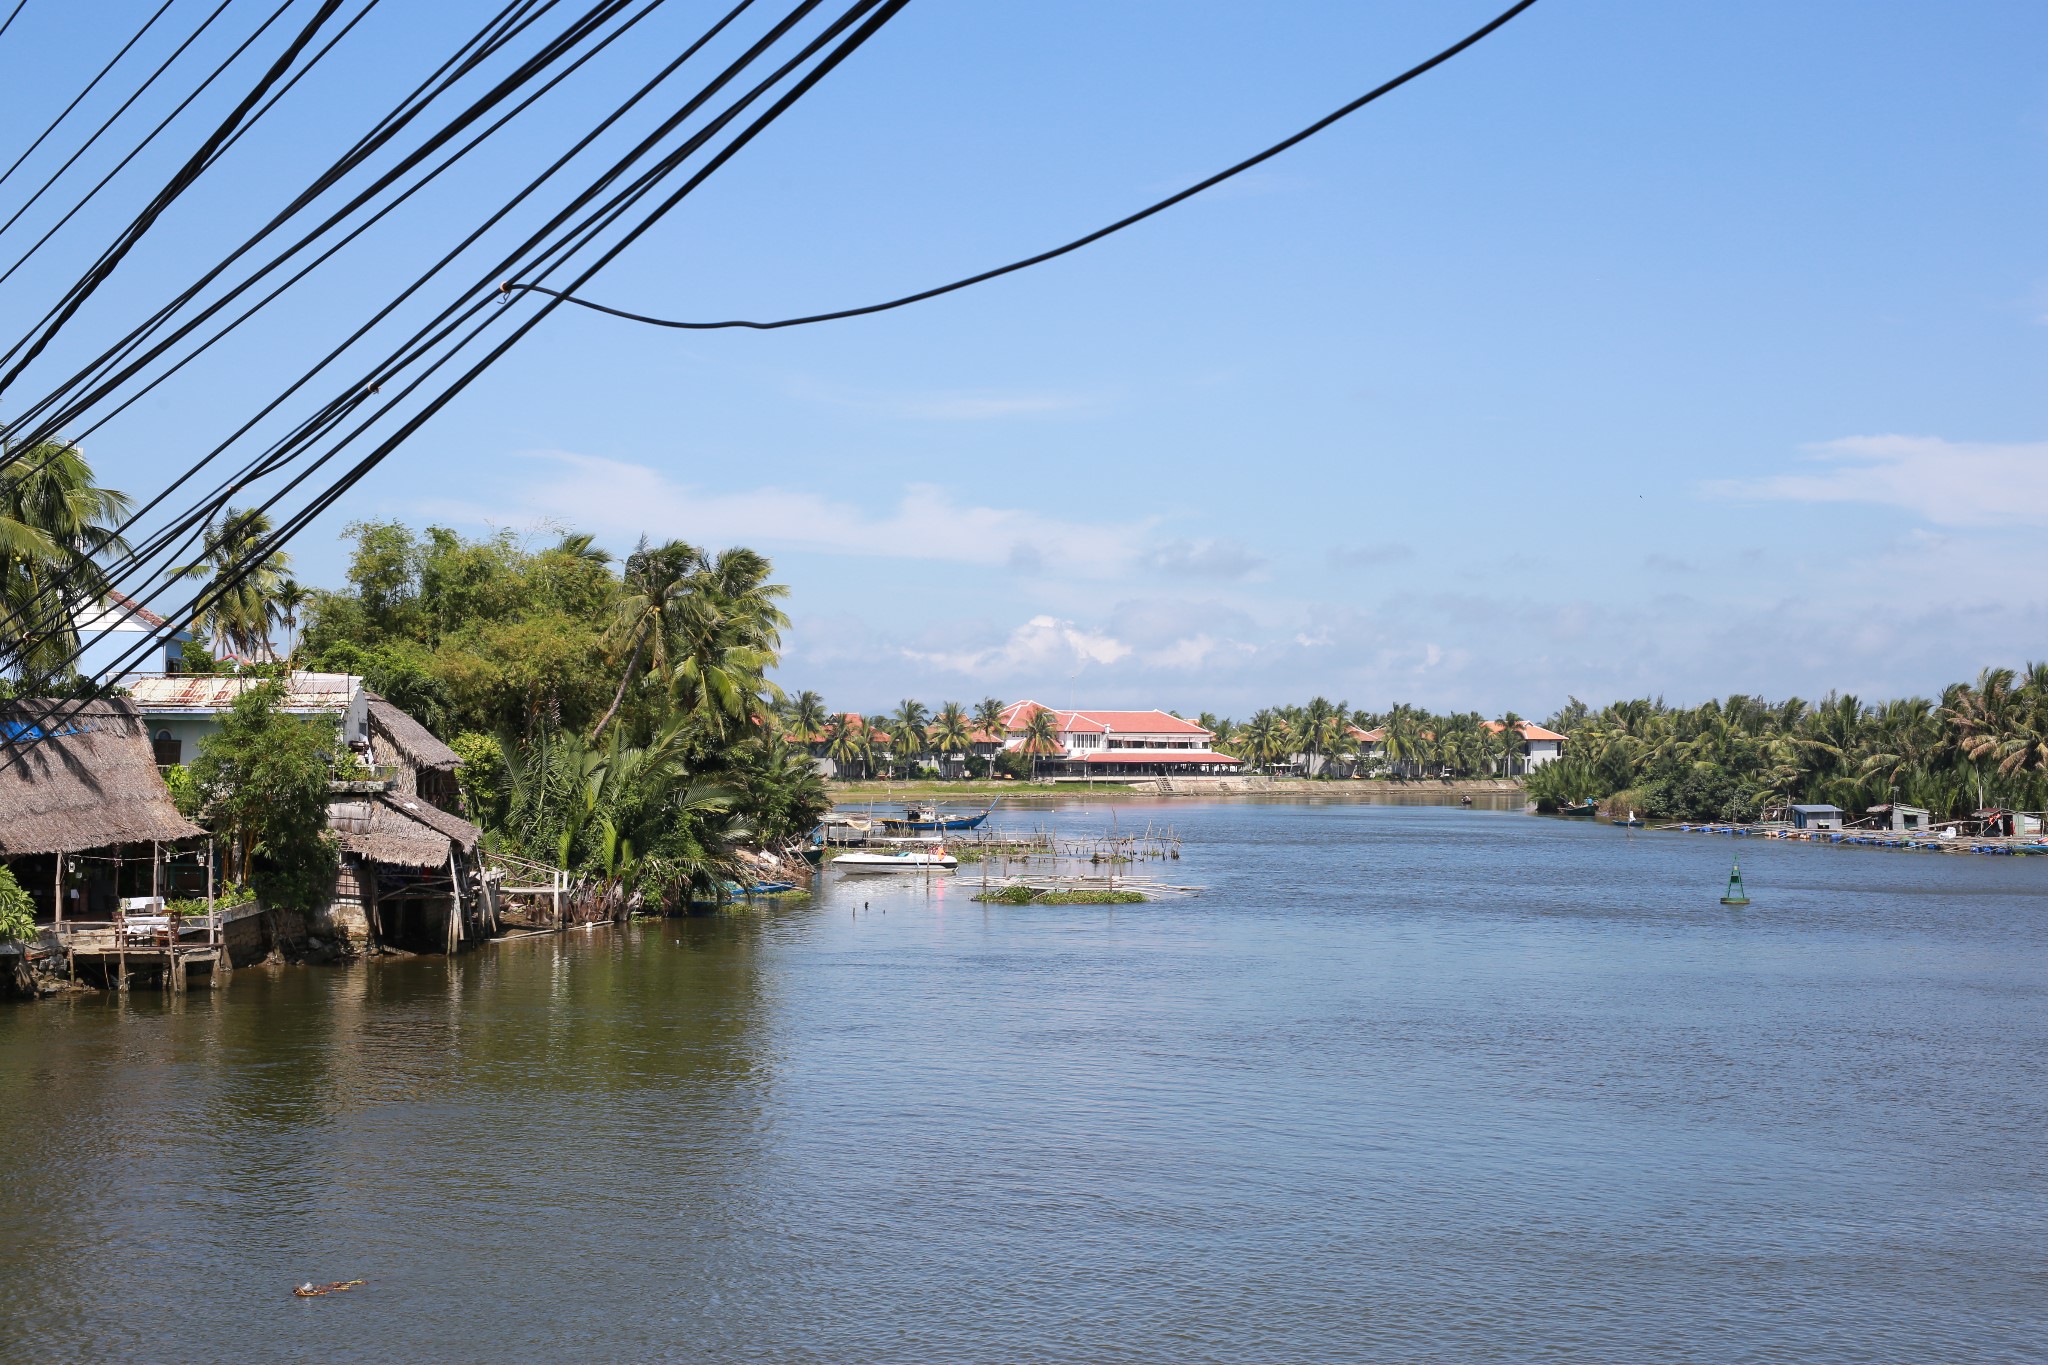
x=1042, y=642
x=617, y=498
x=1203, y=559
x=1950, y=483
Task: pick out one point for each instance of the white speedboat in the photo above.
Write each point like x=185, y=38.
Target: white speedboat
x=933, y=859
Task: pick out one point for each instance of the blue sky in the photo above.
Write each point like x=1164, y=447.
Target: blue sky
x=1681, y=348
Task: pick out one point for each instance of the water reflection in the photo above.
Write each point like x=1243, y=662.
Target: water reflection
x=1407, y=1082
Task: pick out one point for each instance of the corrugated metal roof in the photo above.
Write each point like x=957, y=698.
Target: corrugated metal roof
x=219, y=691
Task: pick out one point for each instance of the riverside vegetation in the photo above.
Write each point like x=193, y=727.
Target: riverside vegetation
x=615, y=717
x=1981, y=744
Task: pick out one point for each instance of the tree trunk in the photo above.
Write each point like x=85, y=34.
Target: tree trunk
x=625, y=680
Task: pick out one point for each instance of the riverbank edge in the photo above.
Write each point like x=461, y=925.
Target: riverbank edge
x=978, y=790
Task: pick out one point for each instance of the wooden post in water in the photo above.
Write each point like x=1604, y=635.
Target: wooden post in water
x=454, y=903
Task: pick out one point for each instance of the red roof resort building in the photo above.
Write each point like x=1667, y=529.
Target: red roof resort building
x=1117, y=743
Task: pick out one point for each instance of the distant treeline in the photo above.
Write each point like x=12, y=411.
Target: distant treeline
x=1982, y=744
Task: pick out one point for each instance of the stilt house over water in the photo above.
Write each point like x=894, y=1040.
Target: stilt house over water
x=85, y=818
x=410, y=871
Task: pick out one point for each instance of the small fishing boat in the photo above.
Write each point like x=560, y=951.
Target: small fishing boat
x=1587, y=809
x=928, y=817
x=1633, y=821
x=934, y=859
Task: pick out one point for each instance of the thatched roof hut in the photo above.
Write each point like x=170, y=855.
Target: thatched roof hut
x=400, y=831
x=421, y=748
x=79, y=775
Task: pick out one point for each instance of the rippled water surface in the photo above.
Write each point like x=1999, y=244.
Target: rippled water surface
x=1405, y=1083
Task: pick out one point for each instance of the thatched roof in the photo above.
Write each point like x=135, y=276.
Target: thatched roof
x=412, y=739
x=400, y=831
x=78, y=775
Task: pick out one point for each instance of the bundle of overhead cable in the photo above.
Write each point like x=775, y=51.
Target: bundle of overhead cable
x=344, y=389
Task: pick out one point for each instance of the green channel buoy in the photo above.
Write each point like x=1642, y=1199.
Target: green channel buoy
x=1736, y=895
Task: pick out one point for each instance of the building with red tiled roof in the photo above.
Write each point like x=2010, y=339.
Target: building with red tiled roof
x=1539, y=746
x=1119, y=743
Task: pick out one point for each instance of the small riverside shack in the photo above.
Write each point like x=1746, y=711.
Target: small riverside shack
x=1901, y=819
x=410, y=875
x=1816, y=817
x=86, y=823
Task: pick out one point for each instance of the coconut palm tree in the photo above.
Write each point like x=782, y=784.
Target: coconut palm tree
x=906, y=728
x=292, y=597
x=651, y=614
x=1041, y=737
x=1508, y=741
x=1318, y=730
x=730, y=631
x=849, y=745
x=1267, y=738
x=988, y=719
x=952, y=732
x=806, y=716
x=1404, y=746
x=55, y=523
x=243, y=577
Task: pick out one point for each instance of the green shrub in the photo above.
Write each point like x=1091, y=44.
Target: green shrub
x=17, y=911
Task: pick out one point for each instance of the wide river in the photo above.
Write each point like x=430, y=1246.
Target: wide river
x=1403, y=1083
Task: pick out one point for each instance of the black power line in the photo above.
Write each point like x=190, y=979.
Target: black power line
x=1119, y=225
x=335, y=411
x=877, y=13
x=66, y=111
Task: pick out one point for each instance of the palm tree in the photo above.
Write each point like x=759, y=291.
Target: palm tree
x=907, y=728
x=883, y=742
x=731, y=630
x=243, y=578
x=953, y=731
x=848, y=744
x=1267, y=738
x=988, y=719
x=578, y=545
x=55, y=522
x=807, y=716
x=1318, y=732
x=1041, y=737
x=1510, y=741
x=650, y=614
x=292, y=597
x=1403, y=745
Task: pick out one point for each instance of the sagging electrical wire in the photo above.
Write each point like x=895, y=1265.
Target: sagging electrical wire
x=75, y=298
x=877, y=14
x=322, y=421
x=481, y=303
x=510, y=289
x=147, y=138
x=510, y=20
x=90, y=85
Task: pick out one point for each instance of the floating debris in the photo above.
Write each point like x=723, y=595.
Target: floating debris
x=309, y=1290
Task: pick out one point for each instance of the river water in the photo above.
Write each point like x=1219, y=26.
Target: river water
x=1404, y=1083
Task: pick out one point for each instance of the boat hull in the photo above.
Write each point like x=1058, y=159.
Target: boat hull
x=943, y=823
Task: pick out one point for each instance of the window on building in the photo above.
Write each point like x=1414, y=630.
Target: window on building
x=170, y=750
